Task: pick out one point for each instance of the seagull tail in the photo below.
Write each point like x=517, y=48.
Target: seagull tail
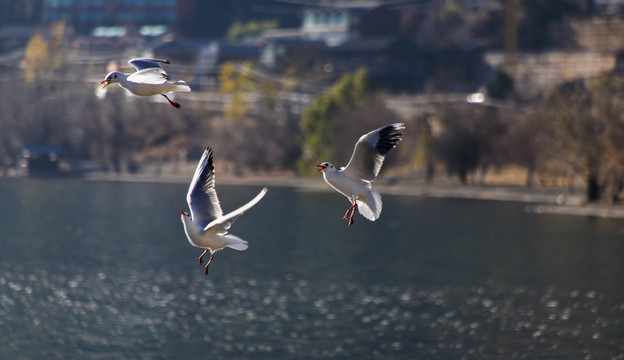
x=181, y=86
x=235, y=242
x=370, y=207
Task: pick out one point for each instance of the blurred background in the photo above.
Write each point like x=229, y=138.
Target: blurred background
x=517, y=100
x=493, y=92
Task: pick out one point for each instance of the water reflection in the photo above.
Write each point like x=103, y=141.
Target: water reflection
x=103, y=271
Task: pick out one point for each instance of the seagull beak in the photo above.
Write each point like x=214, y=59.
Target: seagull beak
x=320, y=167
x=105, y=82
x=182, y=212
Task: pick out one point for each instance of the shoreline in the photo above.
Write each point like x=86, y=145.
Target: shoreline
x=539, y=200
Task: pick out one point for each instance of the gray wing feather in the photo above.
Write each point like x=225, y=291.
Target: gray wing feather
x=370, y=151
x=141, y=64
x=223, y=224
x=202, y=196
x=153, y=76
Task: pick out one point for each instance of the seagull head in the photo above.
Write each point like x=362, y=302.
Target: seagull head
x=111, y=78
x=324, y=166
x=186, y=218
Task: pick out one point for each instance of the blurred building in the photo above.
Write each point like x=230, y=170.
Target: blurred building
x=583, y=47
x=537, y=72
x=339, y=23
x=85, y=15
x=344, y=36
x=608, y=7
x=191, y=18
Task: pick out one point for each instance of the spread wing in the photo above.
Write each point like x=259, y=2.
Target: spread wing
x=202, y=196
x=223, y=224
x=370, y=151
x=141, y=64
x=154, y=76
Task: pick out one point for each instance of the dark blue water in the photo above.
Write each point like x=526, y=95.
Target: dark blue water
x=92, y=270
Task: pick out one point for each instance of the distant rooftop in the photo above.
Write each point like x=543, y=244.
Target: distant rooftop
x=351, y=4
x=88, y=14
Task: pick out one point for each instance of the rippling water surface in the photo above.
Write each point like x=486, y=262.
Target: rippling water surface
x=93, y=270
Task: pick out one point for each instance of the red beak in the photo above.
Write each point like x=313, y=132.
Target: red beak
x=105, y=82
x=320, y=167
x=182, y=212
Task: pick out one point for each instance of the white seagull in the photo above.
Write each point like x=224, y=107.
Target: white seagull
x=354, y=180
x=205, y=226
x=150, y=79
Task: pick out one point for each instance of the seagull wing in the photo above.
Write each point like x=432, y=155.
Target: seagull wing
x=141, y=64
x=223, y=224
x=154, y=76
x=370, y=151
x=202, y=196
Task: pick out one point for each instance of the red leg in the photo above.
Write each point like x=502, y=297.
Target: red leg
x=208, y=264
x=352, y=214
x=201, y=258
x=349, y=212
x=173, y=103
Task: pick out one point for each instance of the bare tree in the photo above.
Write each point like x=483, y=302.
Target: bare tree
x=578, y=134
x=470, y=140
x=527, y=142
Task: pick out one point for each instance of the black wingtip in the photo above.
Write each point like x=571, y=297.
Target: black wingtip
x=389, y=137
x=164, y=61
x=210, y=161
x=209, y=168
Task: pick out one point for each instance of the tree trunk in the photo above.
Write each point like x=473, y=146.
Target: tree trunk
x=429, y=172
x=463, y=175
x=593, y=188
x=531, y=176
x=614, y=188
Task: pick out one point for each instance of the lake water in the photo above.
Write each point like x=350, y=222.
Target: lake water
x=97, y=270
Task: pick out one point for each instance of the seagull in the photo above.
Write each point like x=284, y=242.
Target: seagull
x=354, y=180
x=150, y=79
x=205, y=226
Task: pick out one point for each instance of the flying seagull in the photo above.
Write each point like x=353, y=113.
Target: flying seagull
x=150, y=79
x=354, y=180
x=205, y=226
